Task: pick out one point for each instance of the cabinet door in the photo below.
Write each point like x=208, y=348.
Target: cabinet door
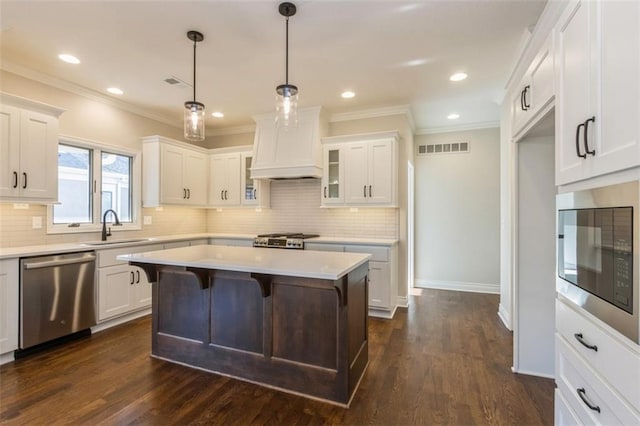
x=379, y=282
x=141, y=288
x=8, y=305
x=9, y=150
x=115, y=291
x=380, y=173
x=573, y=104
x=38, y=156
x=615, y=133
x=519, y=113
x=333, y=175
x=225, y=180
x=195, y=177
x=172, y=171
x=356, y=173
x=541, y=79
x=248, y=186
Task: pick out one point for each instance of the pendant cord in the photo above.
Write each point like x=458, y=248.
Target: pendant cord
x=194, y=70
x=286, y=67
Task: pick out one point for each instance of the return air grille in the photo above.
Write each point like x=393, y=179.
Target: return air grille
x=176, y=82
x=444, y=148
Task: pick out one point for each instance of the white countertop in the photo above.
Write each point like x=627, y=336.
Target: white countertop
x=295, y=263
x=353, y=240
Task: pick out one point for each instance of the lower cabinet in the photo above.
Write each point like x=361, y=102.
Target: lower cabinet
x=383, y=272
x=8, y=305
x=234, y=242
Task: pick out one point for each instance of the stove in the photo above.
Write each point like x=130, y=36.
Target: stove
x=283, y=240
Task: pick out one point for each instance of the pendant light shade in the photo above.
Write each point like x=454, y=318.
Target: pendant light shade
x=194, y=110
x=287, y=94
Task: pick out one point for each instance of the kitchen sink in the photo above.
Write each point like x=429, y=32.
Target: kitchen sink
x=109, y=242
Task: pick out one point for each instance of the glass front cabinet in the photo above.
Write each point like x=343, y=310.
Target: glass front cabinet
x=333, y=175
x=254, y=192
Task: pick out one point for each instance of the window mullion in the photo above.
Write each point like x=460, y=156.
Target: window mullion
x=97, y=185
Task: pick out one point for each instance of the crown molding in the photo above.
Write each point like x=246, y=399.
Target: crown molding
x=374, y=113
x=458, y=128
x=237, y=130
x=84, y=92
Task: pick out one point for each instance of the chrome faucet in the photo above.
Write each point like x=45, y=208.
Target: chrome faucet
x=106, y=233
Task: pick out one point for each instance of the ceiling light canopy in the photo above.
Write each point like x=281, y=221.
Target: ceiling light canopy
x=459, y=76
x=286, y=94
x=348, y=94
x=115, y=91
x=70, y=59
x=194, y=110
x=453, y=116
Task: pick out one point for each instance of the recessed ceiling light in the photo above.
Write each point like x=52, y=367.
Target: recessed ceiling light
x=115, y=91
x=70, y=59
x=459, y=76
x=348, y=94
x=416, y=62
x=453, y=116
x=217, y=114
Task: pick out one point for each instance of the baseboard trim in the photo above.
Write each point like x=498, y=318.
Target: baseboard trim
x=403, y=302
x=504, y=317
x=120, y=320
x=533, y=373
x=7, y=358
x=381, y=313
x=459, y=286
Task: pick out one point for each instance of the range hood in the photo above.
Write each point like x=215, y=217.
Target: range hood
x=289, y=153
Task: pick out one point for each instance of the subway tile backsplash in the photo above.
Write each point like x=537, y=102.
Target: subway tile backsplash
x=295, y=207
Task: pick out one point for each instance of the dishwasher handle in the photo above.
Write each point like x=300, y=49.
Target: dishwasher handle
x=59, y=262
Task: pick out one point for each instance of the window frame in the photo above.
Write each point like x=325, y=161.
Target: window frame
x=96, y=201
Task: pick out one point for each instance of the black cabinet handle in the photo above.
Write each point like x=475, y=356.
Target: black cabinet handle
x=225, y=195
x=184, y=194
x=586, y=137
x=369, y=191
x=137, y=277
x=132, y=278
x=222, y=194
x=583, y=397
x=24, y=186
x=578, y=141
x=580, y=339
x=364, y=191
x=188, y=194
x=524, y=98
x=255, y=194
x=15, y=179
x=325, y=192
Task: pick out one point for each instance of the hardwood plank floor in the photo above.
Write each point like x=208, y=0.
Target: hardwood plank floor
x=445, y=360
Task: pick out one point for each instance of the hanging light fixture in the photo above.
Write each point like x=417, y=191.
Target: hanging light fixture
x=287, y=94
x=194, y=110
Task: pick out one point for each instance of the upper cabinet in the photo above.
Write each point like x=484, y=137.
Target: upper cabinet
x=598, y=101
x=28, y=150
x=535, y=91
x=231, y=183
x=360, y=170
x=173, y=173
x=289, y=152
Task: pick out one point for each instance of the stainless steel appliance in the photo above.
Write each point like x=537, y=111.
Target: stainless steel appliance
x=282, y=240
x=57, y=296
x=598, y=253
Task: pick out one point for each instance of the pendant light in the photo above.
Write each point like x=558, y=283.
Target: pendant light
x=287, y=94
x=194, y=110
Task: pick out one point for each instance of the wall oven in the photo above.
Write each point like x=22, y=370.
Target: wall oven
x=598, y=253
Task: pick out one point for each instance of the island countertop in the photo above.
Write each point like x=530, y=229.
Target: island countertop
x=295, y=263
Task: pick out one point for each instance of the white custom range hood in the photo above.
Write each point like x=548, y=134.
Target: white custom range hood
x=289, y=153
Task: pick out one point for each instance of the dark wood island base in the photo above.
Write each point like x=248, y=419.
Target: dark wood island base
x=306, y=336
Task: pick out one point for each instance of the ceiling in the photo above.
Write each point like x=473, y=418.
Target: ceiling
x=389, y=53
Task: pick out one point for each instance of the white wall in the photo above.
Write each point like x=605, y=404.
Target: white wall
x=458, y=213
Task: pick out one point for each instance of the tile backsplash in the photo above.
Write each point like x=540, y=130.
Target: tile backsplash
x=295, y=207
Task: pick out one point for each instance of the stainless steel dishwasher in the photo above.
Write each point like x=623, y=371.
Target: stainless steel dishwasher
x=57, y=296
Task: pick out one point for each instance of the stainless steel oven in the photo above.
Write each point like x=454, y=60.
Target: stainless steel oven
x=598, y=253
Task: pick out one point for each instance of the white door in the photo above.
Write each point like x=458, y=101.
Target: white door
x=356, y=173
x=380, y=172
x=8, y=305
x=172, y=187
x=379, y=293
x=333, y=175
x=38, y=156
x=195, y=177
x=115, y=292
x=141, y=288
x=9, y=150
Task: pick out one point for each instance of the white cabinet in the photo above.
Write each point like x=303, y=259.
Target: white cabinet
x=9, y=303
x=536, y=89
x=291, y=152
x=234, y=242
x=173, y=173
x=598, y=99
x=383, y=272
x=360, y=170
x=122, y=288
x=597, y=371
x=225, y=179
x=253, y=192
x=28, y=150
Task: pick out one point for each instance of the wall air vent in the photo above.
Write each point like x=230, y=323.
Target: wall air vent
x=176, y=82
x=443, y=148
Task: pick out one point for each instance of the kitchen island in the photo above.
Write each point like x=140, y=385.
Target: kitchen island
x=294, y=320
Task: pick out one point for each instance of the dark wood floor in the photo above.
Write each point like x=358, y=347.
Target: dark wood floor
x=445, y=360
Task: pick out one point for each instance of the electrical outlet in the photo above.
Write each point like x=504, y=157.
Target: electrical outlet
x=36, y=222
x=147, y=220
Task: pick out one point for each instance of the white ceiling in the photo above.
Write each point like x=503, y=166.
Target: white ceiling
x=364, y=46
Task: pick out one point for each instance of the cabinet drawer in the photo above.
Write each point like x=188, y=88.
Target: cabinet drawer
x=323, y=247
x=378, y=254
x=618, y=364
x=108, y=257
x=574, y=377
x=563, y=414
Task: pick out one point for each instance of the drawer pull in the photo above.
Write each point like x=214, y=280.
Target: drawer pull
x=580, y=339
x=582, y=394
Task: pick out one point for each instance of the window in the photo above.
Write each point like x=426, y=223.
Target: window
x=92, y=179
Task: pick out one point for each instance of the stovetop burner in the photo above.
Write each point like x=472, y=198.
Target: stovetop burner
x=287, y=240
